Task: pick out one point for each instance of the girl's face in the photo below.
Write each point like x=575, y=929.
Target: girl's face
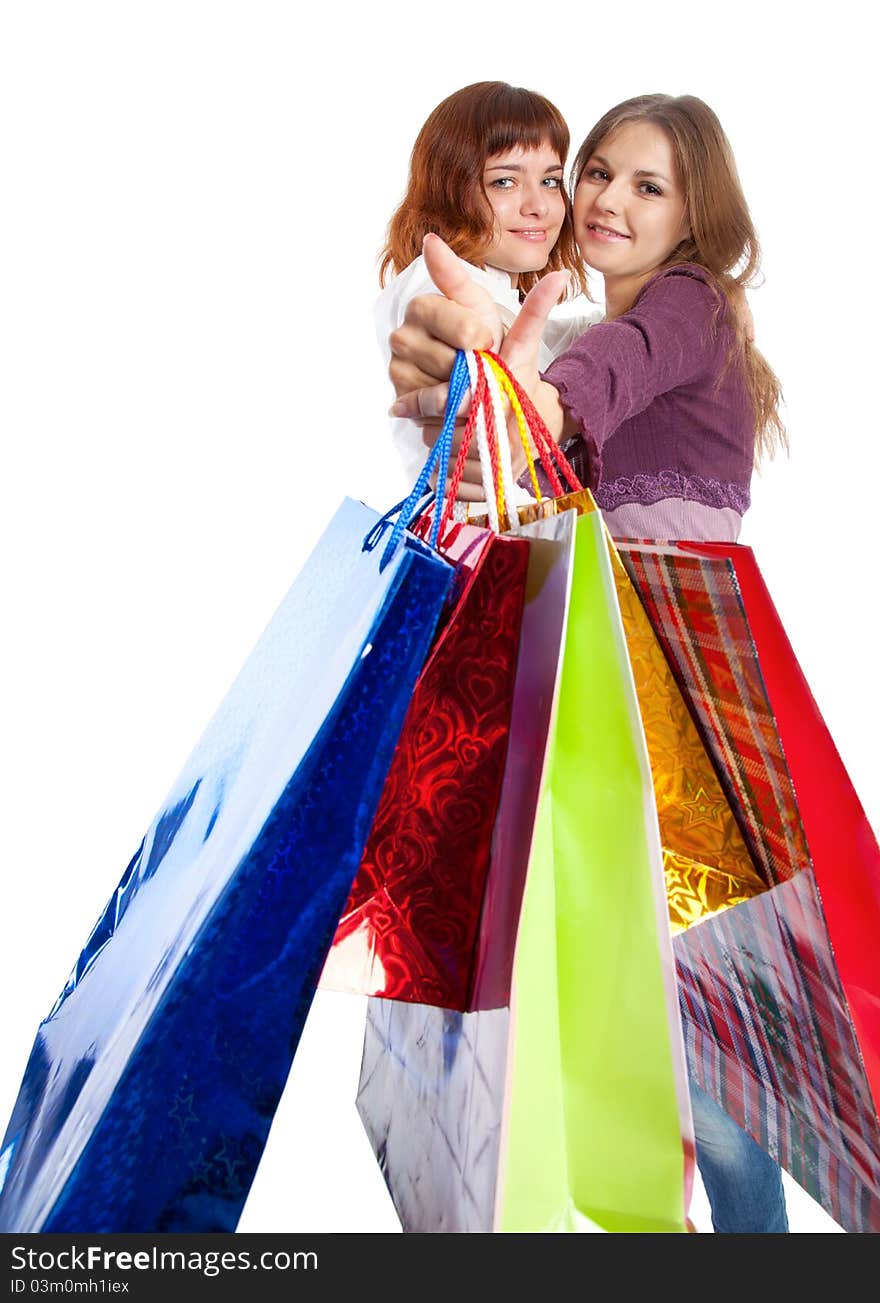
x=629, y=208
x=524, y=191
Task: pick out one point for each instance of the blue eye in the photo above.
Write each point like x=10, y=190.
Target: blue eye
x=554, y=182
x=503, y=182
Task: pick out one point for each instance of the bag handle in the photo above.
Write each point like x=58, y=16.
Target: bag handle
x=485, y=418
x=488, y=377
x=438, y=458
x=530, y=423
x=494, y=379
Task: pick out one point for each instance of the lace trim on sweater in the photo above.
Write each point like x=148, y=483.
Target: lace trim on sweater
x=648, y=489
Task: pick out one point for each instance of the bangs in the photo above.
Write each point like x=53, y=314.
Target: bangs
x=524, y=119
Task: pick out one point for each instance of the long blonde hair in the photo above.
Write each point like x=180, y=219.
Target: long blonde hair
x=722, y=235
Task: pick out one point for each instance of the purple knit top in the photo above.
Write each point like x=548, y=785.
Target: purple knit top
x=667, y=441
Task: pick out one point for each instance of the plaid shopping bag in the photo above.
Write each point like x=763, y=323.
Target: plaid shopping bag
x=779, y=994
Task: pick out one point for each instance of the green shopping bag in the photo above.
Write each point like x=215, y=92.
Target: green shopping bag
x=597, y=1080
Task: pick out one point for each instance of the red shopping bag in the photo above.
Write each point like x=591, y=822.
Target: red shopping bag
x=410, y=927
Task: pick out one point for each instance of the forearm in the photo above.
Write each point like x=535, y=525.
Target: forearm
x=618, y=368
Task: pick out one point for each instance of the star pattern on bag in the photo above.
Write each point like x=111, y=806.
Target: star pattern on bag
x=226, y=1159
x=182, y=1110
x=700, y=808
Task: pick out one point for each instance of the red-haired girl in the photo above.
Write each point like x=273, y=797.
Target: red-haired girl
x=486, y=174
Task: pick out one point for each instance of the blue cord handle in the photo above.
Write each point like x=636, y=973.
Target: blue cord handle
x=374, y=537
x=459, y=382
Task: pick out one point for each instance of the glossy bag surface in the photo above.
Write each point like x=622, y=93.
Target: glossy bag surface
x=779, y=995
x=152, y=1084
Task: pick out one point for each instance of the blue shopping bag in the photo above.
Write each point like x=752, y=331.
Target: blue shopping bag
x=151, y=1086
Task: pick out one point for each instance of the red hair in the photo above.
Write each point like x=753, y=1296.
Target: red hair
x=445, y=192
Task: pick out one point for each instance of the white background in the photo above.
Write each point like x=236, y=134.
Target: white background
x=193, y=198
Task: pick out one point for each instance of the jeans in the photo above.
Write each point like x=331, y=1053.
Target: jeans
x=743, y=1183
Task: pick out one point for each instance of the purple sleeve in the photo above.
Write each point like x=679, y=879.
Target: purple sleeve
x=617, y=368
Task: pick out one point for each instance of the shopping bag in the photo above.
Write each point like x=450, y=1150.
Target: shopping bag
x=779, y=994
x=152, y=1084
x=410, y=927
x=421, y=901
x=566, y=1108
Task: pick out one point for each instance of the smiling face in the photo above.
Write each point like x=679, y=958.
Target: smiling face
x=629, y=207
x=524, y=190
